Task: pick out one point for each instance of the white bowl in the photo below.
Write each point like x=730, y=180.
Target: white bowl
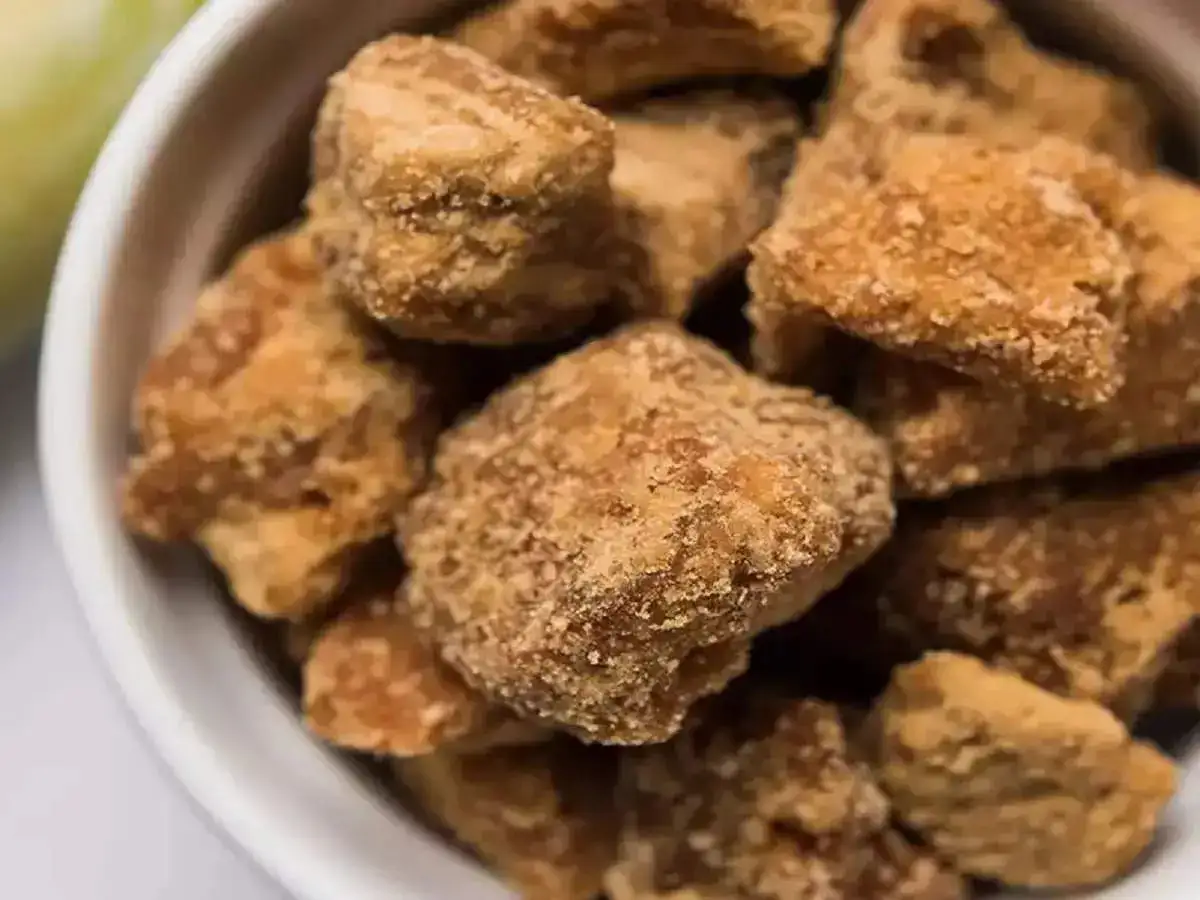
x=209, y=153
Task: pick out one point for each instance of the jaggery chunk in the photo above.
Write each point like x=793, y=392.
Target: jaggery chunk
x=277, y=431
x=987, y=260
x=948, y=432
x=372, y=684
x=1082, y=592
x=786, y=345
x=599, y=543
x=763, y=800
x=600, y=48
x=1007, y=781
x=541, y=817
x=696, y=178
x=962, y=66
x=456, y=202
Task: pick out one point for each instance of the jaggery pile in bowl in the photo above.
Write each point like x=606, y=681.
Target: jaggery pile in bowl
x=728, y=449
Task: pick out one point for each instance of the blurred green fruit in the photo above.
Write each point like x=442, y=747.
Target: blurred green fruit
x=66, y=69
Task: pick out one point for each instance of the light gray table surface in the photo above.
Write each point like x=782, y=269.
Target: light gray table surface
x=86, y=810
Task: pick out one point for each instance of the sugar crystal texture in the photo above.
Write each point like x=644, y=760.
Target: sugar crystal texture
x=763, y=799
x=1082, y=589
x=541, y=816
x=280, y=432
x=602, y=539
x=697, y=177
x=372, y=684
x=962, y=66
x=597, y=49
x=456, y=202
x=991, y=261
x=1009, y=782
x=947, y=432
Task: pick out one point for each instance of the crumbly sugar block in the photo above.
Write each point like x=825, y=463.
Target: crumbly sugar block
x=1082, y=592
x=947, y=432
x=541, y=817
x=696, y=178
x=991, y=261
x=962, y=66
x=1009, y=782
x=602, y=539
x=456, y=202
x=372, y=684
x=597, y=49
x=763, y=799
x=280, y=432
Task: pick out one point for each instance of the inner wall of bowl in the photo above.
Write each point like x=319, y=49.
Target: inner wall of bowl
x=234, y=168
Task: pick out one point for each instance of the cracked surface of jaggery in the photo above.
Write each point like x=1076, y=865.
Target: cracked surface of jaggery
x=1009, y=782
x=597, y=49
x=541, y=817
x=602, y=539
x=696, y=178
x=962, y=66
x=372, y=684
x=454, y=201
x=1084, y=591
x=762, y=798
x=280, y=432
x=948, y=432
x=987, y=260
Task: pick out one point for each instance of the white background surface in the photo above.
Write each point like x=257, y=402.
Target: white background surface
x=86, y=811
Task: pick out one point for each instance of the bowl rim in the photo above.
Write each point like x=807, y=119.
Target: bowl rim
x=67, y=414
x=66, y=418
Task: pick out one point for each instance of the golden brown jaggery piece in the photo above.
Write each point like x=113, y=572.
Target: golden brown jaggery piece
x=763, y=800
x=602, y=539
x=986, y=260
x=948, y=432
x=596, y=49
x=372, y=684
x=279, y=432
x=697, y=177
x=1084, y=592
x=456, y=202
x=962, y=66
x=1008, y=781
x=541, y=817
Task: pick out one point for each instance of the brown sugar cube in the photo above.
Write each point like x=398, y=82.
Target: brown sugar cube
x=1084, y=592
x=602, y=539
x=541, y=817
x=697, y=177
x=962, y=66
x=763, y=802
x=600, y=48
x=987, y=260
x=947, y=432
x=456, y=202
x=372, y=684
x=277, y=431
x=1009, y=782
